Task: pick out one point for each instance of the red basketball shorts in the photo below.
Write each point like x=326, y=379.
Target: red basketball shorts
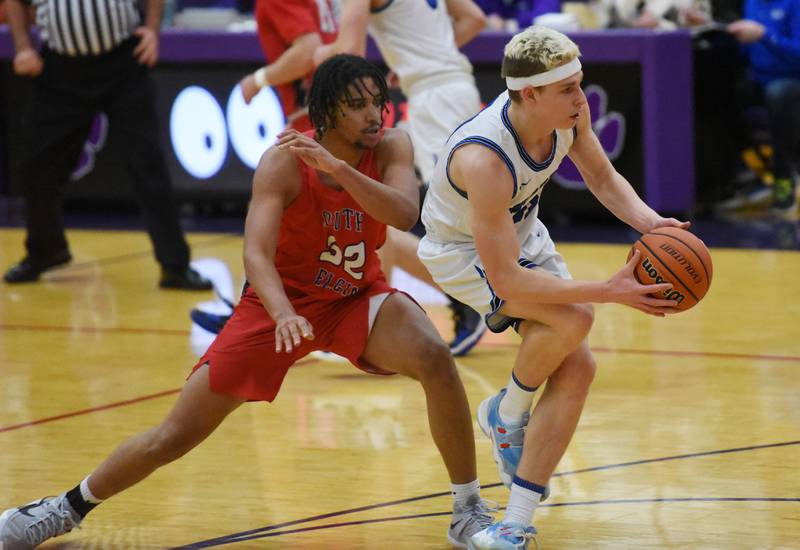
x=243, y=361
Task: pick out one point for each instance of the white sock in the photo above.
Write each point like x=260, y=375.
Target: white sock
x=516, y=402
x=464, y=492
x=523, y=501
x=86, y=493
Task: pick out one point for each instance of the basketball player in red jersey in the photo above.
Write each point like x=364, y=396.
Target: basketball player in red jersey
x=319, y=210
x=290, y=31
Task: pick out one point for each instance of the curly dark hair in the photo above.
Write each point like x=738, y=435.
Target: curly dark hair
x=330, y=86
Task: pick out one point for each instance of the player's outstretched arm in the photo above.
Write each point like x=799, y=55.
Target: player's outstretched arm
x=293, y=64
x=485, y=178
x=395, y=201
x=608, y=185
x=352, y=37
x=275, y=185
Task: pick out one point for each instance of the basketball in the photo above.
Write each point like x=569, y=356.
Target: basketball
x=673, y=255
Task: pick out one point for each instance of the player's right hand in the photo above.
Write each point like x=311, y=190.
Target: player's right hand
x=28, y=62
x=289, y=330
x=310, y=151
x=623, y=288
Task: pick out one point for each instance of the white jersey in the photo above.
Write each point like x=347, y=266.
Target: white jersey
x=448, y=249
x=446, y=209
x=416, y=40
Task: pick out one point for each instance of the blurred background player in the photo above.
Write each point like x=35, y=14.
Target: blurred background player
x=290, y=31
x=318, y=213
x=419, y=42
x=492, y=252
x=86, y=66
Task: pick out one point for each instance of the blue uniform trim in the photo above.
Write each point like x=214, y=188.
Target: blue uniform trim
x=470, y=119
x=486, y=142
x=535, y=166
x=531, y=486
x=522, y=386
x=383, y=7
x=495, y=321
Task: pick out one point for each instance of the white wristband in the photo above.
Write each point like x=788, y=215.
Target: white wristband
x=260, y=76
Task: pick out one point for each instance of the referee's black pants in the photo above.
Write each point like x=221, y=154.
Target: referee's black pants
x=68, y=94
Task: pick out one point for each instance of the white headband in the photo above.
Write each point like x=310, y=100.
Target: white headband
x=545, y=78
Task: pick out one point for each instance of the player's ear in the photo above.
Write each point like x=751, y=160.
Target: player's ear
x=530, y=93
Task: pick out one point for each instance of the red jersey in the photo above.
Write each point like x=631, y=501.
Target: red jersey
x=281, y=22
x=327, y=244
x=329, y=268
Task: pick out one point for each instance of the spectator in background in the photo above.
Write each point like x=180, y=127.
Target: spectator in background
x=88, y=65
x=770, y=33
x=512, y=15
x=653, y=14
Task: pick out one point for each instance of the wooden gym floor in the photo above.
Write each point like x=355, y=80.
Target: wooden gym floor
x=690, y=438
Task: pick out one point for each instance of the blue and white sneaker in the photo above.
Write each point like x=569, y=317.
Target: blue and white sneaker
x=469, y=328
x=503, y=536
x=507, y=440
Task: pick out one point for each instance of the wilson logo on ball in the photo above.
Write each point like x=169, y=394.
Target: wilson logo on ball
x=652, y=272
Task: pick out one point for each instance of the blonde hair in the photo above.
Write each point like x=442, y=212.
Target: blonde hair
x=535, y=50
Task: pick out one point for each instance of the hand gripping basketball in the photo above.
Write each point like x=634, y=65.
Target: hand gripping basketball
x=623, y=288
x=671, y=254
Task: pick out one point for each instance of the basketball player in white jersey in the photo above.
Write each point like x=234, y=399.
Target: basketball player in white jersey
x=419, y=41
x=486, y=246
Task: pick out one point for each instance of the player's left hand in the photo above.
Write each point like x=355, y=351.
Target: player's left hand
x=289, y=330
x=146, y=50
x=747, y=31
x=309, y=150
x=668, y=222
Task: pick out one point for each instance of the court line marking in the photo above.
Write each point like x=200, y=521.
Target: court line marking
x=439, y=514
x=259, y=531
x=113, y=405
x=96, y=330
x=628, y=351
x=674, y=353
x=77, y=266
x=88, y=411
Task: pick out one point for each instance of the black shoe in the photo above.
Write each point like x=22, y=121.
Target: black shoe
x=29, y=268
x=184, y=279
x=469, y=327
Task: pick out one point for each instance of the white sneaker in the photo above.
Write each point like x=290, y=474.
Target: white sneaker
x=468, y=519
x=30, y=525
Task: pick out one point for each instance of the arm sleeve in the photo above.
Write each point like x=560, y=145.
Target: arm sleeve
x=292, y=18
